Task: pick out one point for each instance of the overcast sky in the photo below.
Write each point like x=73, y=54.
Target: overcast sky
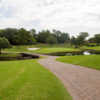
x=71, y=16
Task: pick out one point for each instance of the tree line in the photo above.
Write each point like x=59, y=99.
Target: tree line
x=27, y=37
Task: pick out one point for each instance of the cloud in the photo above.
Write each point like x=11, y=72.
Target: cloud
x=71, y=16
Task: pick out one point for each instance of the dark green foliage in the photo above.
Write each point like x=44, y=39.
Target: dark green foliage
x=51, y=40
x=57, y=35
x=73, y=40
x=64, y=38
x=95, y=39
x=80, y=39
x=91, y=40
x=61, y=36
x=4, y=43
x=33, y=34
x=17, y=37
x=43, y=35
x=24, y=37
x=1, y=33
x=9, y=33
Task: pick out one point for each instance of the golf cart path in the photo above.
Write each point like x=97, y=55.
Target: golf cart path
x=82, y=83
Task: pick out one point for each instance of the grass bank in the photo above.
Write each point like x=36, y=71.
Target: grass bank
x=90, y=61
x=28, y=80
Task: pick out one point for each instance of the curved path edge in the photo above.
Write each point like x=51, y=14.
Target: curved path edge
x=82, y=83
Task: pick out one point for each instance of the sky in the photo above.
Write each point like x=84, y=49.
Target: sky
x=72, y=16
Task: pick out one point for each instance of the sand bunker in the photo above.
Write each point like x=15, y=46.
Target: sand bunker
x=33, y=49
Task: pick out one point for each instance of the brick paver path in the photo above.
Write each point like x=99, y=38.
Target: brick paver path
x=82, y=83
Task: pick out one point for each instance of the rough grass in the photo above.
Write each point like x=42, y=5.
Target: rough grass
x=27, y=80
x=91, y=61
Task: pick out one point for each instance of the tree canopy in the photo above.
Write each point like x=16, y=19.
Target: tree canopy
x=18, y=36
x=4, y=43
x=51, y=39
x=27, y=37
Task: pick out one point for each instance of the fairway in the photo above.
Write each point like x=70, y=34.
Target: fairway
x=41, y=50
x=92, y=48
x=90, y=61
x=27, y=80
x=54, y=50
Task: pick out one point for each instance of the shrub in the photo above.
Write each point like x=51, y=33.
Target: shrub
x=4, y=43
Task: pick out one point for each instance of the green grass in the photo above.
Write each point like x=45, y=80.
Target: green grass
x=54, y=50
x=28, y=80
x=18, y=49
x=90, y=61
x=92, y=48
x=9, y=55
x=42, y=50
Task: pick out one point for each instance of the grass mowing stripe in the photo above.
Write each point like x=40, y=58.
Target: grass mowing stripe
x=28, y=80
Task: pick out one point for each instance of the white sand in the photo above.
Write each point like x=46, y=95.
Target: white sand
x=33, y=48
x=86, y=53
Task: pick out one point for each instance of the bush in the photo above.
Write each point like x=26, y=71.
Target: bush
x=51, y=40
x=4, y=43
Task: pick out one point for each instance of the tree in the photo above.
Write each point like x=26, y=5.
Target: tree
x=43, y=35
x=97, y=39
x=64, y=37
x=91, y=40
x=23, y=37
x=9, y=33
x=1, y=33
x=61, y=36
x=4, y=43
x=81, y=38
x=51, y=40
x=18, y=36
x=33, y=33
x=74, y=41
x=57, y=34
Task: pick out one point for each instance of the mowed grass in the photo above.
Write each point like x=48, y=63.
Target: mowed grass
x=92, y=48
x=19, y=48
x=41, y=50
x=90, y=61
x=28, y=80
x=9, y=55
x=54, y=50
